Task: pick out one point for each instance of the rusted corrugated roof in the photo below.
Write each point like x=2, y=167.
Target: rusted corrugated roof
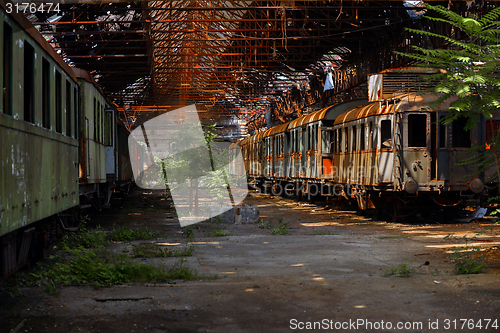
x=328, y=113
x=277, y=129
x=407, y=102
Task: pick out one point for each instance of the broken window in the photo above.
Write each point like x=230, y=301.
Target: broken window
x=45, y=93
x=370, y=135
x=362, y=137
x=68, y=108
x=108, y=137
x=417, y=130
x=386, y=134
x=7, y=69
x=492, y=130
x=326, y=141
x=75, y=108
x=58, y=102
x=29, y=82
x=95, y=119
x=460, y=136
x=354, y=138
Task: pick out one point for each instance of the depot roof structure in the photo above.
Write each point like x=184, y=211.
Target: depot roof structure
x=244, y=63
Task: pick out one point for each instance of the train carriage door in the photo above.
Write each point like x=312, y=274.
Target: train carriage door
x=385, y=153
x=326, y=143
x=417, y=152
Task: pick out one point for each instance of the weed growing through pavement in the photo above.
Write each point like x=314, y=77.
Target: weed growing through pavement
x=320, y=233
x=102, y=268
x=188, y=232
x=155, y=251
x=402, y=270
x=219, y=233
x=128, y=234
x=464, y=256
x=84, y=259
x=97, y=237
x=264, y=224
x=280, y=230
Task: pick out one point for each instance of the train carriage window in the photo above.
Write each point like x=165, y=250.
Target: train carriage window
x=346, y=139
x=29, y=82
x=108, y=125
x=492, y=130
x=442, y=133
x=311, y=138
x=300, y=140
x=314, y=137
x=385, y=133
x=362, y=137
x=354, y=138
x=69, y=111
x=326, y=141
x=98, y=121
x=339, y=140
x=75, y=108
x=95, y=119
x=371, y=136
x=417, y=130
x=58, y=102
x=460, y=136
x=102, y=123
x=7, y=69
x=45, y=93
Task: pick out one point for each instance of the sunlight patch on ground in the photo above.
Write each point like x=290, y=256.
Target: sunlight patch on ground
x=319, y=224
x=204, y=243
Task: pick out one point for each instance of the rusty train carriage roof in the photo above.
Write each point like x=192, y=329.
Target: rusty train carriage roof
x=230, y=58
x=407, y=102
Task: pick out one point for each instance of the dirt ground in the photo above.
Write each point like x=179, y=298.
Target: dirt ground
x=328, y=275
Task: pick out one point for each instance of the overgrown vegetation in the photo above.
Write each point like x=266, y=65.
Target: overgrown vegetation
x=155, y=251
x=219, y=233
x=280, y=230
x=465, y=258
x=84, y=259
x=469, y=69
x=402, y=270
x=188, y=232
x=98, y=237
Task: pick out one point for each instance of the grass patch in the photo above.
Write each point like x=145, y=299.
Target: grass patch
x=128, y=234
x=102, y=268
x=467, y=258
x=97, y=238
x=83, y=259
x=155, y=251
x=402, y=270
x=280, y=230
x=219, y=233
x=323, y=233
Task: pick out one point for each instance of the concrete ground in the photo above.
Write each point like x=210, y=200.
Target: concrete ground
x=329, y=275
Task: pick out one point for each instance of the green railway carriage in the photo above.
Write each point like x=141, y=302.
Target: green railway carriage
x=92, y=132
x=38, y=136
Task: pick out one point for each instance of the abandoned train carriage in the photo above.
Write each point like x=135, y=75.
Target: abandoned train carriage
x=62, y=146
x=371, y=153
x=96, y=126
x=38, y=135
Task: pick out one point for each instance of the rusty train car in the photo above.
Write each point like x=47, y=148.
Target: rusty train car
x=62, y=148
x=387, y=152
